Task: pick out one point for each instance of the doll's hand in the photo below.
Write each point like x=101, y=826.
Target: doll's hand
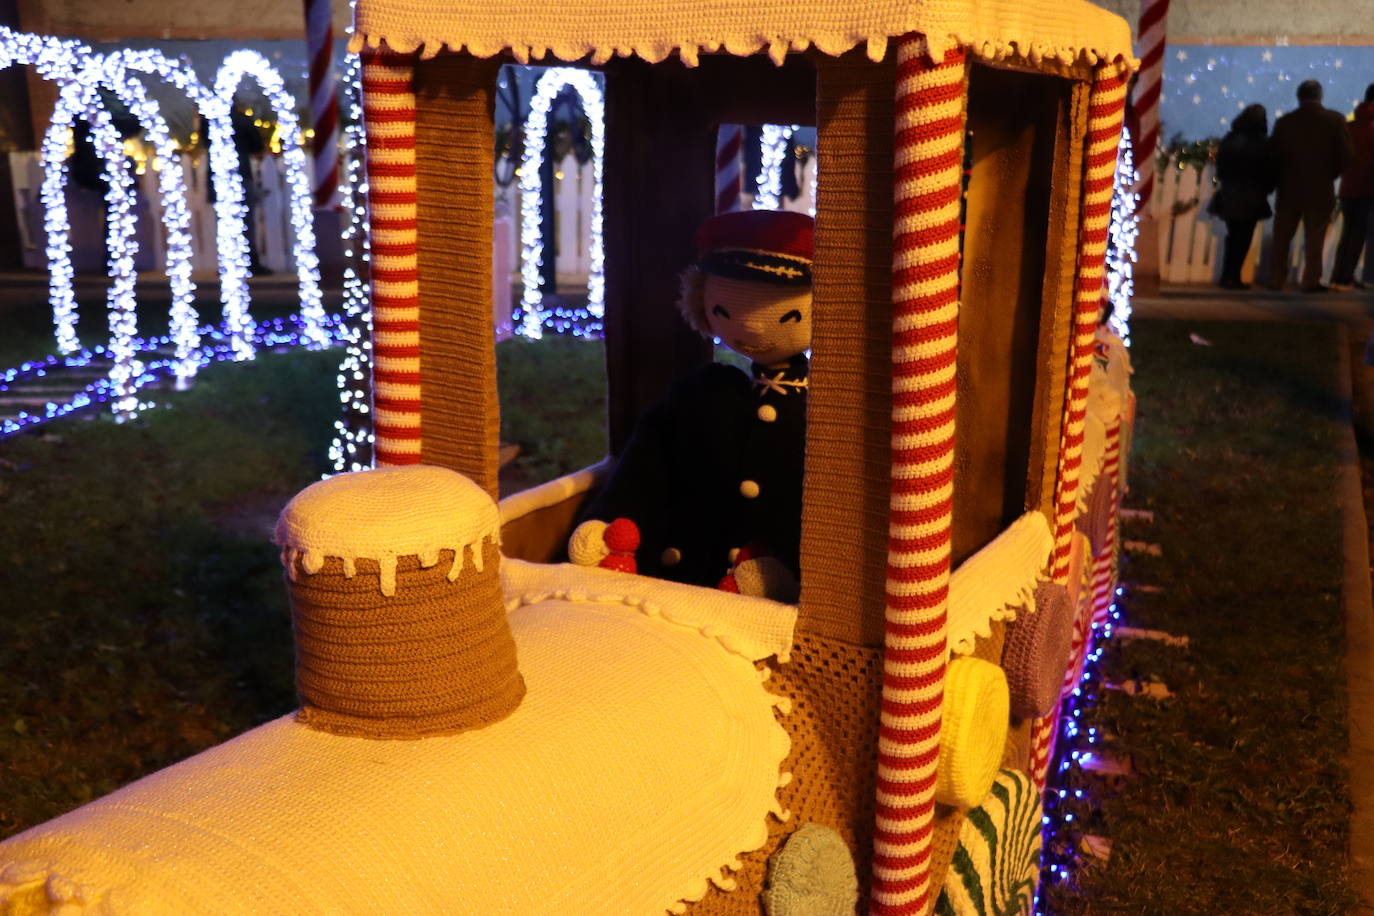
x=587, y=545
x=613, y=546
x=767, y=577
x=761, y=576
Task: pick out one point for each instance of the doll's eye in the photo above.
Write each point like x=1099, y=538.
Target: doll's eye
x=720, y=310
x=794, y=315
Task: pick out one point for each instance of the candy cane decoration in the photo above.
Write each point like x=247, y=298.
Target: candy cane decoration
x=324, y=103
x=729, y=183
x=389, y=112
x=1105, y=110
x=1104, y=564
x=928, y=160
x=1154, y=16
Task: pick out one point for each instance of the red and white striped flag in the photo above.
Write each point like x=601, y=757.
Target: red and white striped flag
x=1154, y=17
x=324, y=103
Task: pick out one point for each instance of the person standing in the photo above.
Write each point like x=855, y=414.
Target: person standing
x=1309, y=148
x=1242, y=199
x=1357, y=194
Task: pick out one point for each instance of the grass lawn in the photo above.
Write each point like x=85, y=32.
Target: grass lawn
x=146, y=619
x=144, y=613
x=1239, y=803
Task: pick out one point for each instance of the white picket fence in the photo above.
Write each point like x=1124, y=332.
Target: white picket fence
x=1190, y=238
x=272, y=224
x=572, y=220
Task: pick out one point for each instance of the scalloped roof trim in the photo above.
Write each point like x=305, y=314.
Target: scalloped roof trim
x=993, y=50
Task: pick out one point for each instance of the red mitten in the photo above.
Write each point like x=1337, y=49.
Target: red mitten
x=622, y=540
x=620, y=562
x=622, y=536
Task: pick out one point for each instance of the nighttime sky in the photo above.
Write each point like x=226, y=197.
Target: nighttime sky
x=1205, y=86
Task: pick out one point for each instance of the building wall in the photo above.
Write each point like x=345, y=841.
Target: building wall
x=113, y=20
x=1258, y=22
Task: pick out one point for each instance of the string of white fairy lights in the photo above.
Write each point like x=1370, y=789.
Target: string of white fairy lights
x=772, y=150
x=82, y=75
x=1122, y=234
x=534, y=317
x=351, y=449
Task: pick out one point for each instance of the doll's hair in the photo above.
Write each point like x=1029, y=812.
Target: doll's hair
x=692, y=301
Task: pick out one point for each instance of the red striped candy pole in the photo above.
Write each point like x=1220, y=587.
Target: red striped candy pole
x=389, y=114
x=1154, y=17
x=1104, y=564
x=928, y=162
x=1106, y=106
x=324, y=103
x=729, y=184
x=1045, y=733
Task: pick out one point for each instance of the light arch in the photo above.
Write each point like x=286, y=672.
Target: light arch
x=231, y=237
x=533, y=316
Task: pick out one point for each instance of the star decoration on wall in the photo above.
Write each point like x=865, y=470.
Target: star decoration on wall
x=1203, y=94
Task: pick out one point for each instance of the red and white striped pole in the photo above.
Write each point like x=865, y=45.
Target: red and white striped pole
x=1106, y=107
x=729, y=183
x=1104, y=564
x=1154, y=17
x=324, y=103
x=389, y=113
x=928, y=159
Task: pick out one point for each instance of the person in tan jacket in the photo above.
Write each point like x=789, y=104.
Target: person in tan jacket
x=1308, y=150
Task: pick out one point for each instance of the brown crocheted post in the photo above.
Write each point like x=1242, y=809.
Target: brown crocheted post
x=400, y=623
x=453, y=164
x=436, y=658
x=848, y=442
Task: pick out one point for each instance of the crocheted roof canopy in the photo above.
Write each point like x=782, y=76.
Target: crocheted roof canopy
x=1068, y=31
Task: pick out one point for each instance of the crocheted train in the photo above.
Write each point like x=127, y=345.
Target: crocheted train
x=483, y=734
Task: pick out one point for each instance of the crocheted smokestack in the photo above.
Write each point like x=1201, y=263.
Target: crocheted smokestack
x=396, y=604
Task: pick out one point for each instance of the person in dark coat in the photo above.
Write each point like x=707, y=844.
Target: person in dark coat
x=1357, y=194
x=716, y=467
x=1242, y=199
x=1308, y=150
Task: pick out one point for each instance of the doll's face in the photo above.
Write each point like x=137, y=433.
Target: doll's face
x=767, y=322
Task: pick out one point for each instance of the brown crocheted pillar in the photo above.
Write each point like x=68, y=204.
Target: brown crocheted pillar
x=453, y=169
x=844, y=519
x=400, y=627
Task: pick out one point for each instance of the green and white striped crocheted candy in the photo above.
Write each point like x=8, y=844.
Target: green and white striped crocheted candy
x=997, y=862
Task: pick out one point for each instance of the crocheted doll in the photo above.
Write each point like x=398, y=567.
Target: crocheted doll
x=716, y=467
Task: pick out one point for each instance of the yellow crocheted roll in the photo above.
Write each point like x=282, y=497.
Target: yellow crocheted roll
x=974, y=732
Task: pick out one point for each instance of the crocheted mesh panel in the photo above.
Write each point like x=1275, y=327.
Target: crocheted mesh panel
x=835, y=689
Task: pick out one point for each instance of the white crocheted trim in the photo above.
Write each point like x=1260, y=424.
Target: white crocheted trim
x=527, y=502
x=998, y=582
x=754, y=628
x=1067, y=31
x=384, y=514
